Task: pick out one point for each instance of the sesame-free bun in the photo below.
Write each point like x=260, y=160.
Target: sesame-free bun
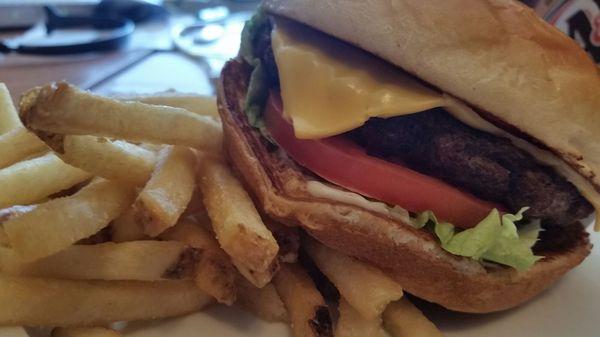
x=412, y=256
x=496, y=55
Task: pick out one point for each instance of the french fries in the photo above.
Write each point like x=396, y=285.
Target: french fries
x=9, y=119
x=214, y=272
x=3, y=238
x=138, y=260
x=403, y=319
x=7, y=214
x=236, y=222
x=84, y=332
x=62, y=266
x=309, y=315
x=352, y=324
x=57, y=224
x=201, y=105
x=52, y=302
x=63, y=109
x=110, y=159
x=169, y=190
x=18, y=144
x=29, y=181
x=14, y=331
x=365, y=287
x=126, y=227
x=264, y=302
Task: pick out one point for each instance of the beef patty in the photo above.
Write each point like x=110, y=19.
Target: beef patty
x=492, y=168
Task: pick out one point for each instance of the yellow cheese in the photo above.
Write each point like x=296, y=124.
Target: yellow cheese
x=329, y=87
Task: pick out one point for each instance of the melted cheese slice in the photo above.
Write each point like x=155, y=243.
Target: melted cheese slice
x=328, y=87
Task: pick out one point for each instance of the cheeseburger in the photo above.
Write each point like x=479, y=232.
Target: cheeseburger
x=454, y=144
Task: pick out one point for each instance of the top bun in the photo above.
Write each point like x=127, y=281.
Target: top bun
x=497, y=55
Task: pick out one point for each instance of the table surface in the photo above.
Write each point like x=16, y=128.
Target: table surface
x=149, y=63
x=136, y=71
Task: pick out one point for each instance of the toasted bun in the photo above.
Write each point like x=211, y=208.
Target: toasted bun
x=496, y=55
x=413, y=257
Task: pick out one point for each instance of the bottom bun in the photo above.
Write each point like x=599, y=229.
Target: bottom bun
x=413, y=257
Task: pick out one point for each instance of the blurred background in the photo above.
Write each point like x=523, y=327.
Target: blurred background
x=135, y=46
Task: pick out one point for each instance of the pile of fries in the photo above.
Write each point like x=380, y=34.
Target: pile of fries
x=123, y=209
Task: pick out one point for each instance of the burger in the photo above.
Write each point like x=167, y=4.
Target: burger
x=454, y=144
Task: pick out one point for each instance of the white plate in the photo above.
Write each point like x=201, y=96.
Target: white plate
x=569, y=309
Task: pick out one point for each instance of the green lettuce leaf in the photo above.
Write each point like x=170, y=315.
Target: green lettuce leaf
x=258, y=89
x=495, y=239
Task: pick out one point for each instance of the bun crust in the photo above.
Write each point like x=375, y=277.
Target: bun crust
x=413, y=257
x=497, y=55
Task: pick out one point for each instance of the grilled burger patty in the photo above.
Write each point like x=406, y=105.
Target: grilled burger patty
x=435, y=143
x=491, y=167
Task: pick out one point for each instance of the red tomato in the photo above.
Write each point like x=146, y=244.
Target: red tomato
x=342, y=162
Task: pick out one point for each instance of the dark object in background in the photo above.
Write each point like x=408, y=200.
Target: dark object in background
x=530, y=3
x=585, y=29
x=119, y=31
x=137, y=11
x=115, y=18
x=580, y=19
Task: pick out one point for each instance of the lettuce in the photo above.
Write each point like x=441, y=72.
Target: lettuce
x=258, y=88
x=495, y=239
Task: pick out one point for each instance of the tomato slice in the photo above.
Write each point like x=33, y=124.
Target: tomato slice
x=342, y=162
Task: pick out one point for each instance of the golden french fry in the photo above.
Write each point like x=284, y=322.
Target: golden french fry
x=7, y=214
x=14, y=331
x=19, y=144
x=3, y=238
x=9, y=119
x=110, y=159
x=236, y=222
x=57, y=224
x=402, y=319
x=214, y=272
x=201, y=105
x=137, y=260
x=63, y=109
x=52, y=302
x=126, y=227
x=309, y=315
x=264, y=302
x=352, y=324
x=169, y=190
x=365, y=287
x=84, y=332
x=34, y=179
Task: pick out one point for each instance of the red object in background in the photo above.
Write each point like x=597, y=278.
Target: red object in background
x=596, y=31
x=341, y=161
